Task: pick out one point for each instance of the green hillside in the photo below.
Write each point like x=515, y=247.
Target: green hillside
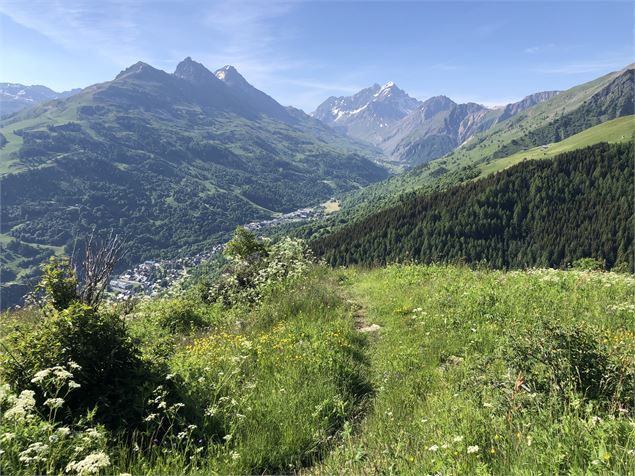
x=173, y=162
x=545, y=213
x=614, y=131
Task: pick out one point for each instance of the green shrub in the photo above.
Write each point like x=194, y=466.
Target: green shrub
x=177, y=315
x=111, y=373
x=557, y=358
x=58, y=287
x=251, y=273
x=589, y=264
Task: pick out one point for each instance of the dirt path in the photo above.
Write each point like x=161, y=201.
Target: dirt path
x=360, y=316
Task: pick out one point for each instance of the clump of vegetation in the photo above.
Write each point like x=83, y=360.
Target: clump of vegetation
x=109, y=371
x=570, y=361
x=255, y=267
x=33, y=439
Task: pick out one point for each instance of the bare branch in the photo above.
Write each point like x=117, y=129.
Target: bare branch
x=100, y=259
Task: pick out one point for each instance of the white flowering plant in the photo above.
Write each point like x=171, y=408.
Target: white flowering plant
x=258, y=267
x=33, y=441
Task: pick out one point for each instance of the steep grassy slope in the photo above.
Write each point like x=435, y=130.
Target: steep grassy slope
x=615, y=131
x=538, y=213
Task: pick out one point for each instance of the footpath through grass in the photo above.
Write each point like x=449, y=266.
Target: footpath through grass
x=485, y=372
x=400, y=370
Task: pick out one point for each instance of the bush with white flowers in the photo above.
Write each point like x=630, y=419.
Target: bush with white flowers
x=33, y=441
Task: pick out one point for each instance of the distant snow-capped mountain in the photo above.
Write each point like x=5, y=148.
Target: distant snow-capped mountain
x=409, y=131
x=15, y=96
x=366, y=114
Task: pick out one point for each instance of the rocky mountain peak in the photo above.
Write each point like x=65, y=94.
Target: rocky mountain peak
x=230, y=75
x=191, y=70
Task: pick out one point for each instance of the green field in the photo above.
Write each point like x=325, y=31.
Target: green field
x=398, y=370
x=617, y=130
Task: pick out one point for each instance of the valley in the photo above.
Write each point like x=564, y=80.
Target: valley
x=430, y=273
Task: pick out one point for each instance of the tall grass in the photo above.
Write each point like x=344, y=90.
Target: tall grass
x=448, y=401
x=470, y=372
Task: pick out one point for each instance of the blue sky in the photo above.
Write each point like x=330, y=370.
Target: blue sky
x=302, y=52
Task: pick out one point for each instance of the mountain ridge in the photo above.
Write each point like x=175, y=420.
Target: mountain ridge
x=420, y=130
x=16, y=96
x=174, y=163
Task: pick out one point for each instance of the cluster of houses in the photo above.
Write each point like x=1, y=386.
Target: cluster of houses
x=294, y=216
x=152, y=277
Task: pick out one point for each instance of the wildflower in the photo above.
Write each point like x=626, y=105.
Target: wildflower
x=22, y=406
x=93, y=433
x=34, y=453
x=91, y=464
x=150, y=417
x=457, y=439
x=472, y=449
x=487, y=405
x=54, y=402
x=433, y=448
x=64, y=431
x=74, y=365
x=6, y=437
x=62, y=374
x=40, y=376
x=72, y=385
x=492, y=450
x=235, y=455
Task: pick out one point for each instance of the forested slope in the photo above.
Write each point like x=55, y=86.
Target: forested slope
x=538, y=213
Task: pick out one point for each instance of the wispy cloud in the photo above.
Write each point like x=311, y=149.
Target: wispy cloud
x=110, y=31
x=247, y=36
x=488, y=29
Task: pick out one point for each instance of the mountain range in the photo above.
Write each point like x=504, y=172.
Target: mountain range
x=174, y=161
x=170, y=160
x=14, y=96
x=597, y=111
x=411, y=132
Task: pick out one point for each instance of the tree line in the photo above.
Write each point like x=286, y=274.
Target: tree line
x=545, y=213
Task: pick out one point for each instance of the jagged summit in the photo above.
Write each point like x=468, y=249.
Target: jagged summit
x=138, y=68
x=193, y=71
x=366, y=113
x=230, y=75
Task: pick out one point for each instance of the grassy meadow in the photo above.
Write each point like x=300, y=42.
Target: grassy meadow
x=399, y=370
